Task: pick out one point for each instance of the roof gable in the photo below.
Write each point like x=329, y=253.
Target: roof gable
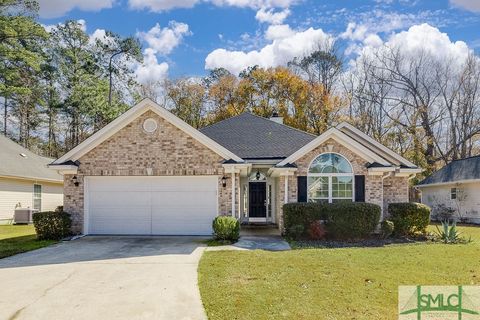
x=16, y=161
x=130, y=115
x=374, y=145
x=254, y=137
x=342, y=138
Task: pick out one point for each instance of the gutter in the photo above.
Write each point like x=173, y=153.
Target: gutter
x=419, y=186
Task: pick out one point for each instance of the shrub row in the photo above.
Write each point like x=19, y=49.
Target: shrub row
x=343, y=220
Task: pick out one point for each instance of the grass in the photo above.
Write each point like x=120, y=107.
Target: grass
x=19, y=238
x=347, y=283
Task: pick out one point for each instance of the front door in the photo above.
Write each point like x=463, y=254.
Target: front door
x=257, y=200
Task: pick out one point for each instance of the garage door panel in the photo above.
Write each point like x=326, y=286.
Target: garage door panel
x=152, y=205
x=112, y=184
x=169, y=199
x=131, y=199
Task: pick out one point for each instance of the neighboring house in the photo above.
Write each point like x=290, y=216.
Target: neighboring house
x=455, y=186
x=25, y=181
x=148, y=172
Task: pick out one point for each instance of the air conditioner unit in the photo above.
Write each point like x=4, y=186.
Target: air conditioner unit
x=23, y=215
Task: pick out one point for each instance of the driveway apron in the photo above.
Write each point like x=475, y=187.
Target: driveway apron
x=104, y=278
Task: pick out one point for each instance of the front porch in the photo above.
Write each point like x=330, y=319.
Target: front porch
x=259, y=196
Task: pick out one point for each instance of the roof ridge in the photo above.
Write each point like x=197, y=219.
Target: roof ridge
x=212, y=124
x=477, y=156
x=282, y=124
x=263, y=118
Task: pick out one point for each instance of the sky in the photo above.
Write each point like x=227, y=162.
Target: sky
x=186, y=38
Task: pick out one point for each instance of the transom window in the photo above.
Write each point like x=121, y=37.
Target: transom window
x=330, y=179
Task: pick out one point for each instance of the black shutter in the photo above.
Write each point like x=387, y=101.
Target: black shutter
x=359, y=188
x=302, y=188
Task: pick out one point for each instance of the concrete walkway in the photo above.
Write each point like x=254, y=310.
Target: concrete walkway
x=104, y=278
x=248, y=242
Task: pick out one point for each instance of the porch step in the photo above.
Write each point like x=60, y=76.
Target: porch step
x=259, y=229
x=258, y=225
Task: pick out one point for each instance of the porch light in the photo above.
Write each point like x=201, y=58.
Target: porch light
x=75, y=181
x=224, y=181
x=257, y=175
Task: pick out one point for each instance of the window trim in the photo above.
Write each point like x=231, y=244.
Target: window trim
x=330, y=176
x=35, y=198
x=453, y=193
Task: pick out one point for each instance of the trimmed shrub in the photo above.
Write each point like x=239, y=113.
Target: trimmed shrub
x=317, y=230
x=226, y=228
x=296, y=231
x=301, y=214
x=352, y=220
x=52, y=225
x=344, y=220
x=409, y=217
x=387, y=228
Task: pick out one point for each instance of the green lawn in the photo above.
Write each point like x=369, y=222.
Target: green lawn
x=351, y=283
x=19, y=238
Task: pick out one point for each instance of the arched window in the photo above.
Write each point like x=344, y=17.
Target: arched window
x=330, y=178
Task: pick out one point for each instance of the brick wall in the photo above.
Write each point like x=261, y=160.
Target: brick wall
x=395, y=189
x=168, y=151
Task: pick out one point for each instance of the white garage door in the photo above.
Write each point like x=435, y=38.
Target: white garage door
x=151, y=205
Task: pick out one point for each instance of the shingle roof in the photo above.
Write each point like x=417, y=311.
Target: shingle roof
x=254, y=137
x=31, y=166
x=458, y=170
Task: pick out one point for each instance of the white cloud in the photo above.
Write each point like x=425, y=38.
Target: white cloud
x=422, y=39
x=51, y=27
x=472, y=5
x=272, y=17
x=279, y=52
x=164, y=40
x=164, y=5
x=279, y=32
x=254, y=4
x=150, y=71
x=161, y=5
x=58, y=8
x=355, y=32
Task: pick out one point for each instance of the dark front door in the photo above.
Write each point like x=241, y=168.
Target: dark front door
x=257, y=199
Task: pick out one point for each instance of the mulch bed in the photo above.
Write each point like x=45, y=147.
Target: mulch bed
x=361, y=243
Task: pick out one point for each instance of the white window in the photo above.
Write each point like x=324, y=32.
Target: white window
x=37, y=197
x=453, y=193
x=330, y=179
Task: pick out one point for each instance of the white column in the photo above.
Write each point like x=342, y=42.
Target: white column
x=233, y=192
x=285, y=198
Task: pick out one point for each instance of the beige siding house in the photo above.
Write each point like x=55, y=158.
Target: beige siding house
x=25, y=181
x=455, y=186
x=149, y=172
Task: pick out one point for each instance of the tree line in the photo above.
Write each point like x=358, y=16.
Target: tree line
x=61, y=86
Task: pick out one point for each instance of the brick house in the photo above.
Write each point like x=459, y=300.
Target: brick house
x=148, y=172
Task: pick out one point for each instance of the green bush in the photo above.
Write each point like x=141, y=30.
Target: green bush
x=52, y=225
x=344, y=220
x=409, y=217
x=387, y=228
x=352, y=220
x=301, y=214
x=296, y=231
x=226, y=228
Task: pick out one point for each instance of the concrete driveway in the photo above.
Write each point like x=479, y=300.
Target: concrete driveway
x=104, y=278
